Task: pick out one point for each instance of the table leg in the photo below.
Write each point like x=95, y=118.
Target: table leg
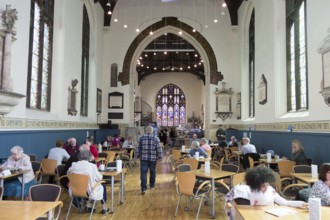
x=50, y=214
x=1, y=184
x=112, y=189
x=212, y=205
x=23, y=185
x=122, y=188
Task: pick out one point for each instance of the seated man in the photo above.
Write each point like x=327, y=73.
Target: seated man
x=83, y=166
x=247, y=147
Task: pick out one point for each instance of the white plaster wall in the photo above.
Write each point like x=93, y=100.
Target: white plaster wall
x=270, y=60
x=66, y=64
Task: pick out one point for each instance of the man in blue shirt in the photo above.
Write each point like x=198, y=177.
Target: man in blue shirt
x=150, y=152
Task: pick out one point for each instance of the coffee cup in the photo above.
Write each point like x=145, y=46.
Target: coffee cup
x=102, y=167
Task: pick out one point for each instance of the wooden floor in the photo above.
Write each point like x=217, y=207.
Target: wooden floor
x=159, y=203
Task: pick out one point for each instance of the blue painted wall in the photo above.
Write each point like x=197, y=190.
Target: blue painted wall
x=39, y=142
x=315, y=144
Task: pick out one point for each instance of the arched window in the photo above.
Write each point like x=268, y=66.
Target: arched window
x=85, y=64
x=296, y=55
x=170, y=106
x=251, y=67
x=40, y=55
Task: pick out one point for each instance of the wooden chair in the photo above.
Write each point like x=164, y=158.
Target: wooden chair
x=229, y=157
x=192, y=162
x=48, y=167
x=176, y=154
x=46, y=192
x=209, y=153
x=186, y=187
x=79, y=186
x=216, y=164
x=285, y=168
x=238, y=179
x=184, y=167
x=230, y=168
x=111, y=156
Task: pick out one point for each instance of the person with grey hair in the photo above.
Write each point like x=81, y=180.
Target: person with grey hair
x=195, y=147
x=247, y=147
x=83, y=166
x=150, y=152
x=205, y=144
x=18, y=161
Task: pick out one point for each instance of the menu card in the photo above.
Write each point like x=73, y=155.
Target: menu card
x=269, y=157
x=279, y=212
x=183, y=148
x=314, y=208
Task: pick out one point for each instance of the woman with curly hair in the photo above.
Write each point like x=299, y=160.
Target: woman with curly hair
x=262, y=193
x=258, y=191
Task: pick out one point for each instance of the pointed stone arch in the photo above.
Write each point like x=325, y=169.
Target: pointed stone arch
x=215, y=76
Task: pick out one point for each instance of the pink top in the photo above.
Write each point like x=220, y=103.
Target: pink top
x=206, y=147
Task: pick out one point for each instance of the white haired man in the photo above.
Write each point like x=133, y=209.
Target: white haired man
x=150, y=152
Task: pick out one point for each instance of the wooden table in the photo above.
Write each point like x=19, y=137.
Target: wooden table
x=213, y=175
x=14, y=175
x=26, y=210
x=112, y=174
x=258, y=212
x=305, y=177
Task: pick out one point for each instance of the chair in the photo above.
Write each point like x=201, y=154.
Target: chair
x=62, y=180
x=36, y=166
x=255, y=160
x=216, y=164
x=46, y=192
x=33, y=157
x=230, y=168
x=309, y=161
x=176, y=154
x=209, y=153
x=102, y=155
x=186, y=187
x=229, y=157
x=48, y=167
x=192, y=162
x=79, y=187
x=238, y=179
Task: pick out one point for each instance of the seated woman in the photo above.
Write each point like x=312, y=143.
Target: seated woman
x=58, y=153
x=321, y=188
x=83, y=166
x=258, y=191
x=298, y=153
x=195, y=147
x=21, y=161
x=129, y=143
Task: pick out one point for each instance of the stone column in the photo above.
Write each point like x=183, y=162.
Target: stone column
x=6, y=81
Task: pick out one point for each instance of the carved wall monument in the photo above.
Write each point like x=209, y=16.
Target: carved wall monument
x=223, y=102
x=72, y=93
x=324, y=49
x=8, y=98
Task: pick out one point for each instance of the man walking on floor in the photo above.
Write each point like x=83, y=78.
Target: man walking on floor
x=150, y=152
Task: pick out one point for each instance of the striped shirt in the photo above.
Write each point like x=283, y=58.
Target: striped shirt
x=149, y=148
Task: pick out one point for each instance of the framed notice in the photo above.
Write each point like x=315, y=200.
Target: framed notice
x=116, y=100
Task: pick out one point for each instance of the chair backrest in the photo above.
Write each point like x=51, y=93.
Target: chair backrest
x=103, y=154
x=230, y=168
x=302, y=169
x=48, y=166
x=277, y=185
x=36, y=166
x=176, y=154
x=131, y=154
x=227, y=153
x=78, y=184
x=285, y=167
x=33, y=157
x=238, y=179
x=45, y=192
x=251, y=162
x=186, y=183
x=111, y=155
x=234, y=149
x=192, y=162
x=209, y=153
x=184, y=167
x=221, y=161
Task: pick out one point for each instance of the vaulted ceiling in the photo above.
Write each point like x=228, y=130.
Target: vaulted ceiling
x=169, y=52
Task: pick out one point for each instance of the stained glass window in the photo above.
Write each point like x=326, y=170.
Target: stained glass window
x=251, y=67
x=170, y=106
x=296, y=55
x=40, y=56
